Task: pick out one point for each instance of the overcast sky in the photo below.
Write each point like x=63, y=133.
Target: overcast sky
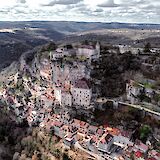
x=135, y=11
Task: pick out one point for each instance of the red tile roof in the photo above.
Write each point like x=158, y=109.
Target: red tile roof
x=125, y=134
x=151, y=158
x=100, y=132
x=107, y=139
x=76, y=121
x=158, y=155
x=58, y=124
x=138, y=154
x=142, y=146
x=94, y=139
x=113, y=131
x=84, y=124
x=93, y=128
x=82, y=83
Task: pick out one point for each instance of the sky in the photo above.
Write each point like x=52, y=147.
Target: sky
x=127, y=11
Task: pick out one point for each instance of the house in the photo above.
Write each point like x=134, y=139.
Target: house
x=127, y=48
x=154, y=154
x=141, y=146
x=59, y=53
x=57, y=128
x=45, y=69
x=63, y=131
x=66, y=99
x=100, y=132
x=92, y=144
x=105, y=143
x=82, y=130
x=76, y=123
x=62, y=96
x=58, y=94
x=46, y=100
x=89, y=51
x=112, y=131
x=133, y=89
x=123, y=139
x=83, y=50
x=84, y=125
x=92, y=130
x=81, y=92
x=138, y=154
x=69, y=139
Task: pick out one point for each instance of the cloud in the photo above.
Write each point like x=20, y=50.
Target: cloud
x=136, y=11
x=22, y=1
x=108, y=3
x=62, y=2
x=98, y=10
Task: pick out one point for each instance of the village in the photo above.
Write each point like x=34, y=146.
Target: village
x=59, y=80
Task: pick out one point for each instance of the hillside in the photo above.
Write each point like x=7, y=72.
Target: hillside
x=16, y=41
x=19, y=37
x=71, y=27
x=108, y=77
x=134, y=37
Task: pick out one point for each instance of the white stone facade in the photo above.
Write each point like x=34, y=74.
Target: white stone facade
x=122, y=141
x=132, y=91
x=86, y=52
x=58, y=95
x=126, y=48
x=89, y=51
x=66, y=99
x=105, y=144
x=81, y=96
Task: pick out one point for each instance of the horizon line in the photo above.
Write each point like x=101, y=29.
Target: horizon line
x=140, y=23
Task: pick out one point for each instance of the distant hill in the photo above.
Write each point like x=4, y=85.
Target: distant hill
x=133, y=37
x=19, y=37
x=14, y=41
x=68, y=27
